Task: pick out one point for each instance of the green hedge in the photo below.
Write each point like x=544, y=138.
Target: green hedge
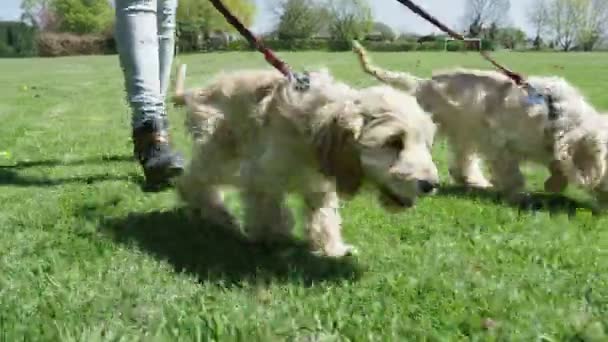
x=274, y=44
x=68, y=44
x=431, y=46
x=397, y=46
x=488, y=45
x=17, y=40
x=337, y=45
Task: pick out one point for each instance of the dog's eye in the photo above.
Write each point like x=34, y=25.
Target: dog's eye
x=395, y=143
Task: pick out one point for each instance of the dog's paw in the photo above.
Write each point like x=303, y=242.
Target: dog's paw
x=338, y=251
x=600, y=207
x=480, y=183
x=526, y=202
x=469, y=182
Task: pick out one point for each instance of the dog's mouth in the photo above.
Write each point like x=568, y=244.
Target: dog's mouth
x=391, y=200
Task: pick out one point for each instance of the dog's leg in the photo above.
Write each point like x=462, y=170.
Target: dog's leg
x=465, y=166
x=601, y=197
x=197, y=187
x=508, y=179
x=205, y=201
x=324, y=224
x=268, y=220
x=557, y=181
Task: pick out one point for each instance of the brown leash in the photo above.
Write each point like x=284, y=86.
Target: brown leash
x=517, y=78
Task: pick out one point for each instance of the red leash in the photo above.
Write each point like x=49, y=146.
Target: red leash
x=517, y=78
x=268, y=54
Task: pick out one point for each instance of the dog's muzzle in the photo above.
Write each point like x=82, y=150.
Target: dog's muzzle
x=427, y=187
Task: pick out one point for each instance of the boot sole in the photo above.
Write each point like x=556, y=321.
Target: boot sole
x=157, y=181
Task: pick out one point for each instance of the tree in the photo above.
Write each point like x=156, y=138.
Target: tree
x=492, y=32
x=480, y=14
x=197, y=19
x=538, y=42
x=565, y=20
x=537, y=16
x=577, y=23
x=349, y=19
x=299, y=19
x=39, y=13
x=83, y=16
x=511, y=37
x=385, y=31
x=207, y=19
x=594, y=24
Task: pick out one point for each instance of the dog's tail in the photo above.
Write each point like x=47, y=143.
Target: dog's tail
x=179, y=95
x=400, y=80
x=200, y=118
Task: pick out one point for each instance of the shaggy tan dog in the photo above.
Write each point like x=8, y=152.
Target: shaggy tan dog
x=253, y=130
x=485, y=113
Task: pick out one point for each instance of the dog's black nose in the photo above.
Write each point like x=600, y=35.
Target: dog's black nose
x=426, y=186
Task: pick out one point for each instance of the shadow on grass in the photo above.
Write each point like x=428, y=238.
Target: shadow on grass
x=9, y=174
x=59, y=162
x=215, y=255
x=8, y=177
x=538, y=201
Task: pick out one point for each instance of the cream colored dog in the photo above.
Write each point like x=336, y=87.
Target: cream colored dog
x=255, y=131
x=485, y=113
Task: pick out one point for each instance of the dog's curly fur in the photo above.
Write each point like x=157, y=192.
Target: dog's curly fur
x=483, y=113
x=253, y=130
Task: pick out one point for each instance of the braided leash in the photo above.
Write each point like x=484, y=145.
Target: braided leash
x=517, y=78
x=302, y=80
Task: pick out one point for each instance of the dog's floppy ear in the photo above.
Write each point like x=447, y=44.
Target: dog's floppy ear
x=337, y=152
x=585, y=158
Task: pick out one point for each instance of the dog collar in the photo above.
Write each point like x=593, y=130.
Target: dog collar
x=301, y=81
x=534, y=97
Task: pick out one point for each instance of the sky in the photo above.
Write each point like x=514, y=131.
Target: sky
x=392, y=13
x=388, y=11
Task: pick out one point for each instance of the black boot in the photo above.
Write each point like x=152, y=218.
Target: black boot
x=159, y=162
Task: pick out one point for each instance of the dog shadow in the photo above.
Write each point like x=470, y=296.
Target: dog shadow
x=536, y=201
x=212, y=254
x=10, y=175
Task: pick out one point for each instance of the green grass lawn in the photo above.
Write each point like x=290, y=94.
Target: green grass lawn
x=86, y=255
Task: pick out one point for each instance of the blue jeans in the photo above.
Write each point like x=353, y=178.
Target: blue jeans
x=145, y=39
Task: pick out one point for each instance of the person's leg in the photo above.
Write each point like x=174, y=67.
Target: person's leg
x=137, y=41
x=166, y=39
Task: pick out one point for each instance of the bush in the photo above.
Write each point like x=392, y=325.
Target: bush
x=488, y=45
x=399, y=46
x=297, y=44
x=339, y=45
x=17, y=40
x=456, y=46
x=83, y=16
x=67, y=44
x=431, y=46
x=239, y=45
x=325, y=45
